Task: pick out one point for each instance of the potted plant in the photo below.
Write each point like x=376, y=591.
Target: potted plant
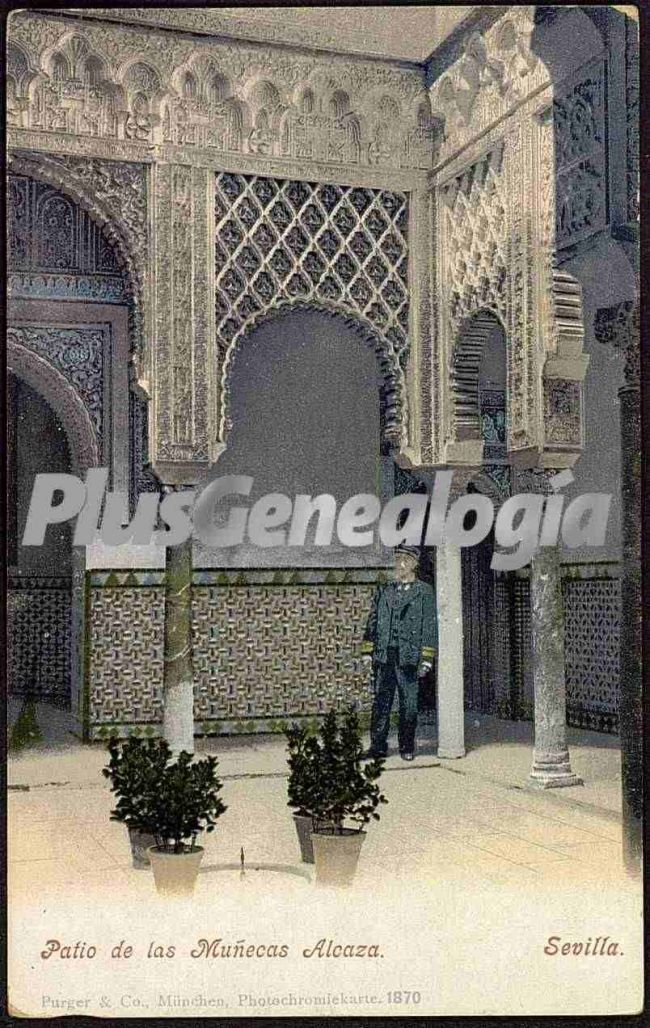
x=303, y=771
x=185, y=802
x=135, y=768
x=342, y=787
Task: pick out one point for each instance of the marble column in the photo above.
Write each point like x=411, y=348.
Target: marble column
x=619, y=326
x=451, y=686
x=551, y=761
x=178, y=684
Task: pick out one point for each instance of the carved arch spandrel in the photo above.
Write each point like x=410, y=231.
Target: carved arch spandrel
x=130, y=246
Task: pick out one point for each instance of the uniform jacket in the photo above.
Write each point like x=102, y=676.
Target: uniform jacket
x=415, y=609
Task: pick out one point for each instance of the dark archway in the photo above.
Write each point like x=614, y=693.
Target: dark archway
x=305, y=410
x=39, y=608
x=482, y=405
x=67, y=351
x=478, y=366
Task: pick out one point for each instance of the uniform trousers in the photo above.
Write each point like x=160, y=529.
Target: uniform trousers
x=389, y=677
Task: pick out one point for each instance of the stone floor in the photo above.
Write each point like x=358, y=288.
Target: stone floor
x=497, y=751
x=473, y=815
x=463, y=855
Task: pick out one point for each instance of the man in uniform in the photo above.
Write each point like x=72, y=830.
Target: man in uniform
x=400, y=640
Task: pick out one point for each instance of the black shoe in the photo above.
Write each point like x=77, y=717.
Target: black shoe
x=371, y=754
x=407, y=756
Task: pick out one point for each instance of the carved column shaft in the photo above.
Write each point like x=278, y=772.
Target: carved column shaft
x=551, y=762
x=619, y=326
x=451, y=692
x=178, y=687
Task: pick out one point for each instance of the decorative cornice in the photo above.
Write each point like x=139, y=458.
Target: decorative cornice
x=497, y=71
x=132, y=85
x=336, y=38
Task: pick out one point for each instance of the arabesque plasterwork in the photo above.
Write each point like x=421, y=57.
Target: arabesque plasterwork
x=144, y=128
x=495, y=195
x=139, y=130
x=126, y=83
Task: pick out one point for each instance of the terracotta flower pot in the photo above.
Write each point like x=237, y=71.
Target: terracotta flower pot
x=175, y=874
x=140, y=843
x=336, y=856
x=304, y=827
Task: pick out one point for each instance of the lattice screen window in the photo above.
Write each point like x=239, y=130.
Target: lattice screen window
x=592, y=649
x=280, y=240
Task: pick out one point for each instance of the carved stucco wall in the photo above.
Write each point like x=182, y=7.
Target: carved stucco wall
x=123, y=83
x=496, y=236
x=115, y=109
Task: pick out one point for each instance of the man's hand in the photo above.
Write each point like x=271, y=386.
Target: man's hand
x=366, y=662
x=424, y=668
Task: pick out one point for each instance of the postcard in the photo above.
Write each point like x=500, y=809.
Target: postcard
x=323, y=444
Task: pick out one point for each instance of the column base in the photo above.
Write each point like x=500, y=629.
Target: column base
x=552, y=771
x=553, y=776
x=453, y=754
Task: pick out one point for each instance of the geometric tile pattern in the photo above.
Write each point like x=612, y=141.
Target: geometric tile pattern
x=38, y=636
x=126, y=654
x=268, y=647
x=592, y=611
x=260, y=651
x=276, y=651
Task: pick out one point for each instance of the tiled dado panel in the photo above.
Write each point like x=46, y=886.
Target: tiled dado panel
x=268, y=646
x=38, y=636
x=592, y=613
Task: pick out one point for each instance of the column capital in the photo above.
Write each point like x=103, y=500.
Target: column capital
x=618, y=326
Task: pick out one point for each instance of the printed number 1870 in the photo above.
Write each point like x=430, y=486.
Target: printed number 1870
x=402, y=996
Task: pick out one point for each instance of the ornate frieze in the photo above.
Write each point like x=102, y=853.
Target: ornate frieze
x=497, y=71
x=140, y=85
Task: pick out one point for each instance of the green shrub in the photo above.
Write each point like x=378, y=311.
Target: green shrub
x=185, y=803
x=328, y=780
x=135, y=769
